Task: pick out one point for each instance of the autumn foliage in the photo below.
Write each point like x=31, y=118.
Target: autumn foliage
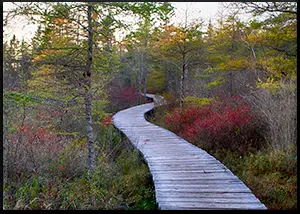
x=227, y=122
x=122, y=97
x=107, y=120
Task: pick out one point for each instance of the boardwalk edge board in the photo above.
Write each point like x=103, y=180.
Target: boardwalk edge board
x=185, y=176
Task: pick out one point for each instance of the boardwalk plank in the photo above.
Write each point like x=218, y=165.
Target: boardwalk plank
x=186, y=205
x=186, y=168
x=199, y=186
x=224, y=189
x=205, y=195
x=210, y=200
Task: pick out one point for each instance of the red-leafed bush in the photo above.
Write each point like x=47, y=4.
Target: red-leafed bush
x=33, y=148
x=227, y=122
x=121, y=97
x=176, y=120
x=107, y=120
x=129, y=95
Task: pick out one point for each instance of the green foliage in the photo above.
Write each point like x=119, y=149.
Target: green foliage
x=217, y=82
x=156, y=81
x=200, y=101
x=271, y=175
x=45, y=80
x=17, y=98
x=280, y=67
x=271, y=85
x=275, y=161
x=255, y=24
x=98, y=109
x=148, y=9
x=234, y=64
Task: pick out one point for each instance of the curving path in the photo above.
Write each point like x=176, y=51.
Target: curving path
x=185, y=176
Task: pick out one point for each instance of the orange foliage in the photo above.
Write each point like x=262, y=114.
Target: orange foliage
x=60, y=20
x=45, y=53
x=172, y=35
x=94, y=16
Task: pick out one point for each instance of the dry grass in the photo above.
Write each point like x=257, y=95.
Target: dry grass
x=279, y=111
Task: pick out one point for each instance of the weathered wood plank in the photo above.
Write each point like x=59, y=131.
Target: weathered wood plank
x=195, y=182
x=223, y=189
x=187, y=205
x=184, y=169
x=204, y=195
x=200, y=185
x=175, y=157
x=211, y=200
x=167, y=160
x=185, y=176
x=201, y=176
x=179, y=174
x=186, y=160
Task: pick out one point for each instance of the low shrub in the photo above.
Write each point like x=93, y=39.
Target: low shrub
x=200, y=101
x=276, y=161
x=270, y=174
x=121, y=97
x=224, y=123
x=28, y=149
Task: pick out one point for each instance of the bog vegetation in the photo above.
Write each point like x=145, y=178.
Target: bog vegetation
x=229, y=83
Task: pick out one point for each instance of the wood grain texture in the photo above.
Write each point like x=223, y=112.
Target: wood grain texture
x=185, y=176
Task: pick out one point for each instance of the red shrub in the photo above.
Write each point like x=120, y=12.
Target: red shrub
x=176, y=121
x=121, y=97
x=129, y=95
x=107, y=120
x=172, y=120
x=227, y=121
x=33, y=148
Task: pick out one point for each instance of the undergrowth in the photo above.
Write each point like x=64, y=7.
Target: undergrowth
x=231, y=131
x=270, y=174
x=121, y=180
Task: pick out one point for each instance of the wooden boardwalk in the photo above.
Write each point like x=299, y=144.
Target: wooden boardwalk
x=185, y=176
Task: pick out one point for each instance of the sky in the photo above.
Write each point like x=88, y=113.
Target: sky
x=196, y=10
x=204, y=10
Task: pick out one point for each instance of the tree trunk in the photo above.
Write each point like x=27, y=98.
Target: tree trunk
x=186, y=79
x=145, y=65
x=139, y=76
x=88, y=100
x=231, y=84
x=253, y=52
x=168, y=75
x=182, y=79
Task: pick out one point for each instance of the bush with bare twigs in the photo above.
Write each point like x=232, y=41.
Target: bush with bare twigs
x=279, y=110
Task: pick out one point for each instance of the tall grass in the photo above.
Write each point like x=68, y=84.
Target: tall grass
x=279, y=111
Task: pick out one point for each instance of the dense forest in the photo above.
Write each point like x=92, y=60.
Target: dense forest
x=229, y=85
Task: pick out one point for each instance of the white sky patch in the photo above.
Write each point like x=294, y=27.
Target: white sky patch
x=196, y=10
x=18, y=27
